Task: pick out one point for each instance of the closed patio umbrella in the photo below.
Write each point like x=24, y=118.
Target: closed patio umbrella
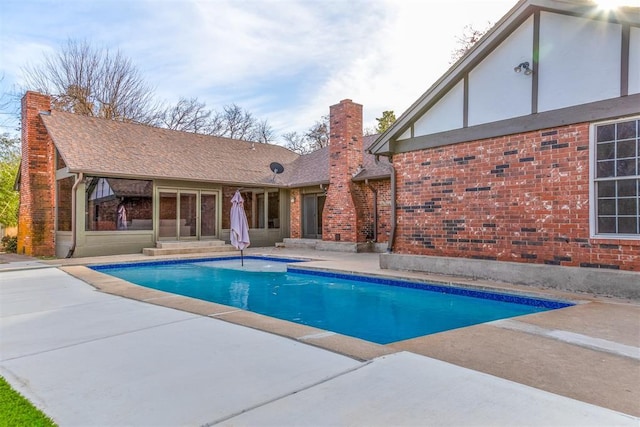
x=239, y=225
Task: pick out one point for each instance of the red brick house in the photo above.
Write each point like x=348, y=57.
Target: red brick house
x=527, y=150
x=97, y=187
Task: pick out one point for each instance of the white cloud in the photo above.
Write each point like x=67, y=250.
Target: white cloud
x=283, y=60
x=410, y=50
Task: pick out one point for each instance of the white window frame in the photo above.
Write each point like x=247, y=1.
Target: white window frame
x=593, y=197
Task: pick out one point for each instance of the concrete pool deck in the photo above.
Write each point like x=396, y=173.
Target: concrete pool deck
x=151, y=358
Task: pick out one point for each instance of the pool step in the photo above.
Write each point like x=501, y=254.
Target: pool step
x=194, y=244
x=199, y=247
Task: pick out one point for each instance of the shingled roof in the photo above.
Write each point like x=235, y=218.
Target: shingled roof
x=108, y=148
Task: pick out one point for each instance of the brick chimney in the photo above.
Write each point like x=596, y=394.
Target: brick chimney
x=36, y=227
x=339, y=217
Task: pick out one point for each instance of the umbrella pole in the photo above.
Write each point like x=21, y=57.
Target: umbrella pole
x=241, y=258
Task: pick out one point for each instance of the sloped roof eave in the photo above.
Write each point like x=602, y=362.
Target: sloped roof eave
x=307, y=184
x=364, y=177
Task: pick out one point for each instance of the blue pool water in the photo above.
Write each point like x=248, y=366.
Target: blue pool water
x=375, y=309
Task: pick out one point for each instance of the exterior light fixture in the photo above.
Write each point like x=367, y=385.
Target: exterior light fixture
x=523, y=66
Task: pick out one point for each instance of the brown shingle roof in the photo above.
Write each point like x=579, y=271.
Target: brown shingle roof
x=110, y=148
x=311, y=169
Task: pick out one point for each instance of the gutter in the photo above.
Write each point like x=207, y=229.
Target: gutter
x=74, y=202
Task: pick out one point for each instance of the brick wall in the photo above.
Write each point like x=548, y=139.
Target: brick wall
x=364, y=201
x=522, y=198
x=36, y=232
x=295, y=214
x=339, y=218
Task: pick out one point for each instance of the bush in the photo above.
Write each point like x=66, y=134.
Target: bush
x=10, y=244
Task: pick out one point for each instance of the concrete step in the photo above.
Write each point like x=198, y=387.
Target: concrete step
x=188, y=250
x=194, y=244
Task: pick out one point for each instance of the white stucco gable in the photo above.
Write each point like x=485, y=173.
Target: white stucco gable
x=574, y=62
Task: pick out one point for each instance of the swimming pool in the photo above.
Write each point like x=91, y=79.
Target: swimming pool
x=381, y=310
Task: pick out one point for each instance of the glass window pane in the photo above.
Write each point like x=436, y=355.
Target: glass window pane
x=626, y=149
x=628, y=225
x=274, y=209
x=64, y=203
x=168, y=215
x=606, y=133
x=627, y=130
x=606, y=151
x=626, y=167
x=188, y=213
x=626, y=187
x=606, y=207
x=607, y=189
x=628, y=206
x=606, y=169
x=118, y=204
x=606, y=224
x=208, y=217
x=260, y=206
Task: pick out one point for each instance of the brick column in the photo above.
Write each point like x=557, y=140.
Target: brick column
x=339, y=218
x=36, y=222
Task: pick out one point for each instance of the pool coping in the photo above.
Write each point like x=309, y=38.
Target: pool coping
x=355, y=348
x=345, y=345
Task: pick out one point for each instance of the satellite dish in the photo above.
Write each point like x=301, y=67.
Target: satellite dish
x=276, y=168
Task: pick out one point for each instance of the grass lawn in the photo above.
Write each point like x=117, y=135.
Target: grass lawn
x=18, y=411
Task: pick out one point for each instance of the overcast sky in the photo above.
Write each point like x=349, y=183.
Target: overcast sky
x=285, y=61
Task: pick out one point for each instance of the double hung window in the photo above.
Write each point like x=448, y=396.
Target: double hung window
x=616, y=179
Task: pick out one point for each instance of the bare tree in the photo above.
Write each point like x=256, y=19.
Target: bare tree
x=215, y=124
x=296, y=142
x=93, y=81
x=467, y=40
x=97, y=82
x=189, y=115
x=237, y=122
x=318, y=134
x=316, y=137
x=263, y=132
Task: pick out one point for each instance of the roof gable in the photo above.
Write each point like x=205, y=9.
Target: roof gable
x=480, y=94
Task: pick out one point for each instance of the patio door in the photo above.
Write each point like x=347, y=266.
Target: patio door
x=187, y=215
x=312, y=206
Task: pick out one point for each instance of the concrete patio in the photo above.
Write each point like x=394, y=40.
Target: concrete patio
x=112, y=353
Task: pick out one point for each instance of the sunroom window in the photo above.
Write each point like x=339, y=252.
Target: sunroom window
x=118, y=204
x=617, y=179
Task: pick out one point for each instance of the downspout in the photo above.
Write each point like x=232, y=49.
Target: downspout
x=74, y=202
x=375, y=210
x=392, y=233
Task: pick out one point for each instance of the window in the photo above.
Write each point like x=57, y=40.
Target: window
x=616, y=186
x=118, y=204
x=63, y=202
x=273, y=209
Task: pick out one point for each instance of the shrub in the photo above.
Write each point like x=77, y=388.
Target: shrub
x=10, y=244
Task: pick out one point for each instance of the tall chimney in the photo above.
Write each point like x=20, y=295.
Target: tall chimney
x=339, y=218
x=36, y=220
